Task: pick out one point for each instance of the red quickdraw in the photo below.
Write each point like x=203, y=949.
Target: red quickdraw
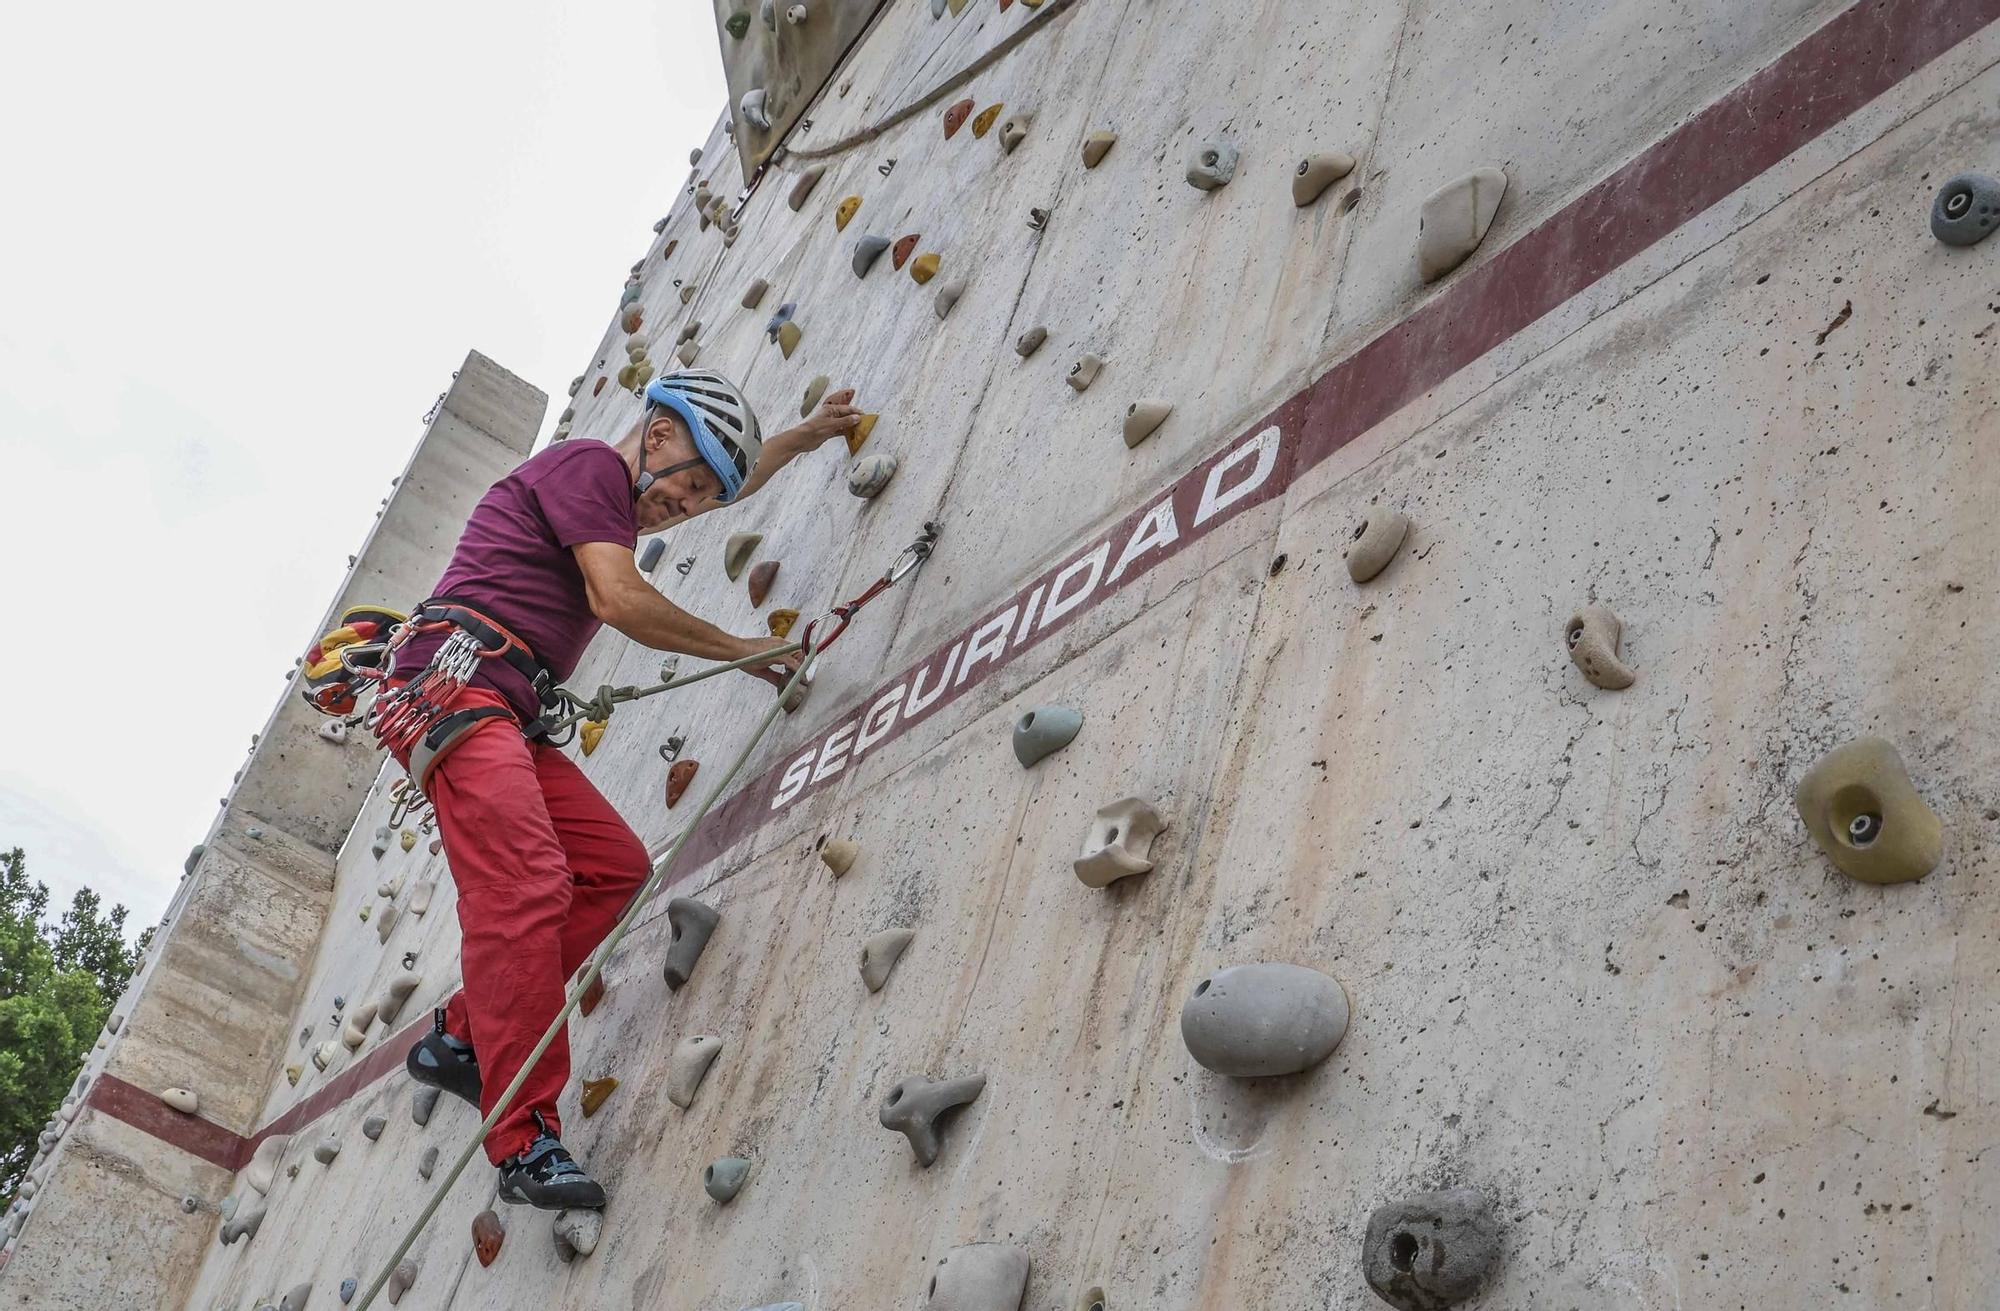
x=812, y=643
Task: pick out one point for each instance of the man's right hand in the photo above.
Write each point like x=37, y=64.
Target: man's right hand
x=780, y=670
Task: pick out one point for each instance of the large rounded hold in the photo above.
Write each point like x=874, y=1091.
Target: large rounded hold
x=1966, y=209
x=1431, y=1251
x=1252, y=1021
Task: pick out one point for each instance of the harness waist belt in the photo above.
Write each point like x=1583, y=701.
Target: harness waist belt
x=495, y=639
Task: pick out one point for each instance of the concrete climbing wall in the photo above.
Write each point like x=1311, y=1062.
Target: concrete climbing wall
x=1708, y=368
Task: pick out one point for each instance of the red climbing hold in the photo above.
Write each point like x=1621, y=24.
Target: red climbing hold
x=487, y=1235
x=954, y=118
x=678, y=779
x=591, y=995
x=901, y=250
x=761, y=575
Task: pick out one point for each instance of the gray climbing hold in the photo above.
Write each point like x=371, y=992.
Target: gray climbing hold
x=396, y=996
x=688, y=332
x=262, y=1171
x=194, y=858
x=1085, y=371
x=348, y=1288
x=1316, y=173
x=1966, y=210
x=869, y=474
x=355, y=1031
x=1120, y=842
x=1592, y=635
x=1376, y=541
x=1455, y=219
x=1096, y=146
x=937, y=8
x=401, y=1278
x=880, y=953
x=753, y=296
x=689, y=923
x=814, y=390
x=687, y=352
x=1030, y=341
x=372, y=1127
x=1254, y=1021
x=427, y=1162
x=328, y=1148
x=723, y=1179
x=736, y=552
x=649, y=560
x=1044, y=731
x=1431, y=1251
x=296, y=1299
x=576, y=1233
x=386, y=925
x=420, y=896
x=980, y=1277
x=380, y=846
x=914, y=1106
x=114, y=1022
x=689, y=1065
x=1213, y=165
x=423, y=1103
x=1014, y=131
x=1142, y=417
x=244, y=1223
x=948, y=294
x=803, y=187
x=866, y=252
x=752, y=103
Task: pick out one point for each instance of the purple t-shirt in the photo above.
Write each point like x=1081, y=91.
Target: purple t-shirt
x=513, y=561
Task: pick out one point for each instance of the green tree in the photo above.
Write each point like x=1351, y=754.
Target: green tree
x=57, y=983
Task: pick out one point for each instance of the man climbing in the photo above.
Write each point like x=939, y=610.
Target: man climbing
x=544, y=865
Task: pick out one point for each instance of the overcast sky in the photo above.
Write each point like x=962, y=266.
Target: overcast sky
x=242, y=248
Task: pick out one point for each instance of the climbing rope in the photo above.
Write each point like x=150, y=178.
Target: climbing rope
x=812, y=644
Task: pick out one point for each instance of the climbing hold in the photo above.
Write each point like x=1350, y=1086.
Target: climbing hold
x=381, y=844
x=262, y=1171
x=395, y=996
x=1096, y=146
x=595, y=1091
x=689, y=924
x=355, y=1031
x=899, y=254
x=296, y=1299
x=183, y=1100
x=880, y=953
x=1030, y=341
x=761, y=575
x=736, y=552
x=937, y=8
x=1965, y=210
x=633, y=318
x=1316, y=173
x=737, y=23
x=803, y=187
x=1142, y=417
x=1431, y=1251
x=780, y=622
x=1044, y=731
x=752, y=106
x=984, y=123
x=979, y=1277
x=325, y=1054
x=334, y=730
x=678, y=777
x=249, y=1215
x=372, y=1127
x=843, y=213
x=487, y=1235
x=1213, y=165
x=591, y=734
x=1084, y=371
x=838, y=855
x=427, y=1162
x=348, y=1287
x=1861, y=809
x=1014, y=131
x=866, y=252
x=867, y=476
x=754, y=294
x=401, y=1278
x=955, y=116
x=1120, y=842
x=788, y=337
x=387, y=923
x=914, y=1106
x=420, y=896
x=723, y=1179
x=689, y=1063
x=1376, y=541
x=577, y=1233
x=328, y=1148
x=423, y=1103
x=687, y=353
x=925, y=267
x=390, y=889
x=860, y=435
x=591, y=995
x=1455, y=219
x=1593, y=634
x=1253, y=1021
x=814, y=390
x=796, y=15
x=650, y=553
x=948, y=294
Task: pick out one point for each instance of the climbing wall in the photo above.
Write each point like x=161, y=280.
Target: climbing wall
x=1523, y=544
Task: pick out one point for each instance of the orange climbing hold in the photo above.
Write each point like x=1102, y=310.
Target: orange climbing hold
x=634, y=316
x=954, y=118
x=781, y=622
x=843, y=213
x=591, y=995
x=899, y=254
x=594, y=1093
x=601, y=380
x=859, y=437
x=678, y=778
x=987, y=116
x=487, y=1235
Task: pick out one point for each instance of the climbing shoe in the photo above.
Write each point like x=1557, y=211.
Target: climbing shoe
x=547, y=1177
x=443, y=1061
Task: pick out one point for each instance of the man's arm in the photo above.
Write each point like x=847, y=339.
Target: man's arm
x=836, y=417
x=621, y=597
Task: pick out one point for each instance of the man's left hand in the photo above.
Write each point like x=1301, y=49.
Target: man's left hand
x=837, y=416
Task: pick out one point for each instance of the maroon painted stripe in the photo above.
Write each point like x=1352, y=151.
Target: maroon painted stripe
x=145, y=1112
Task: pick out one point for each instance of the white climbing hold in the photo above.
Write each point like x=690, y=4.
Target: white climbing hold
x=1213, y=165
x=948, y=294
x=401, y=1278
x=385, y=924
x=752, y=106
x=1085, y=371
x=1455, y=219
x=420, y=896
x=245, y=1221
x=689, y=1065
x=1120, y=842
x=326, y=1054
x=796, y=15
x=355, y=1031
x=1376, y=541
x=396, y=996
x=576, y=1233
x=262, y=1171
x=334, y=730
x=1142, y=417
x=380, y=846
x=839, y=855
x=880, y=953
x=1316, y=173
x=869, y=474
x=183, y=1100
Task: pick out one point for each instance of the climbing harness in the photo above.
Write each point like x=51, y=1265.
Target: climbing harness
x=333, y=684
x=911, y=559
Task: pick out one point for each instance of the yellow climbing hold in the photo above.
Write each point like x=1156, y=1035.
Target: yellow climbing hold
x=957, y=7
x=859, y=436
x=781, y=622
x=984, y=123
x=843, y=213
x=409, y=840
x=591, y=733
x=594, y=1093
x=925, y=266
x=788, y=337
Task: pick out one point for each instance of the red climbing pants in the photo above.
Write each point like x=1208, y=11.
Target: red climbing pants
x=544, y=867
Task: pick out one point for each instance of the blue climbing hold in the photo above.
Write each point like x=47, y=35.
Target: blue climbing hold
x=780, y=319
x=347, y=1287
x=649, y=558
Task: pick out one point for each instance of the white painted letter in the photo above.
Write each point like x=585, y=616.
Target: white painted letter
x=833, y=753
x=1060, y=605
x=1265, y=447
x=795, y=778
x=1157, y=529
x=918, y=701
x=988, y=641
x=880, y=718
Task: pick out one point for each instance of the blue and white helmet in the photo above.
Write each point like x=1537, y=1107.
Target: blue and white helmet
x=724, y=426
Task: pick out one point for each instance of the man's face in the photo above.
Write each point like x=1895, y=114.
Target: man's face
x=676, y=495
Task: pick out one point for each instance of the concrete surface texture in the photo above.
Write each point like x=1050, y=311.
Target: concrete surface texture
x=1708, y=367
